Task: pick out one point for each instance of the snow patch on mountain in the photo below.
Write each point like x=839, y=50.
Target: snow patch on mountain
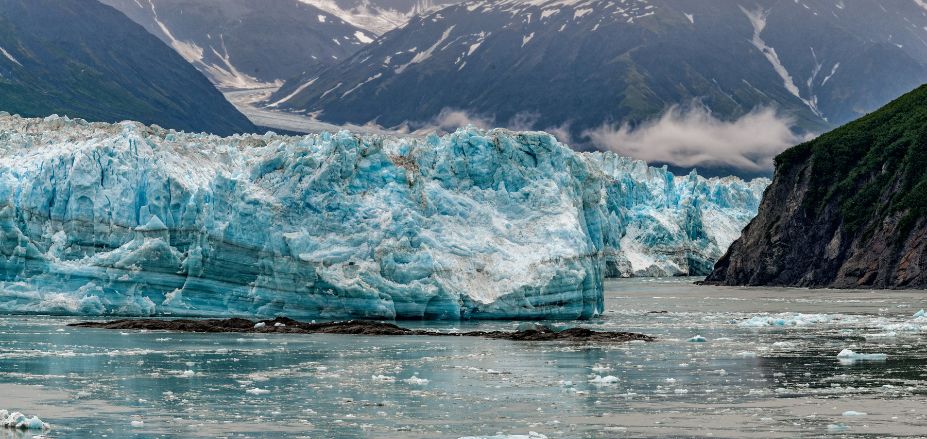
x=225, y=76
x=758, y=21
x=9, y=56
x=372, y=18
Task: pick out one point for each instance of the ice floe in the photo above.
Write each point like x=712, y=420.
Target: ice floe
x=19, y=421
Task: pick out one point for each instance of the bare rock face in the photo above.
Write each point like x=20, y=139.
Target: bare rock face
x=846, y=210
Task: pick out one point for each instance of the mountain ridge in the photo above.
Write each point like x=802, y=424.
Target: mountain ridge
x=846, y=210
x=101, y=66
x=502, y=58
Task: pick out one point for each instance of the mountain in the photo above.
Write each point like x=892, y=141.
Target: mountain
x=579, y=64
x=83, y=59
x=378, y=16
x=846, y=210
x=248, y=44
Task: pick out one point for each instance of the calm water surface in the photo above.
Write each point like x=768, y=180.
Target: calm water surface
x=769, y=368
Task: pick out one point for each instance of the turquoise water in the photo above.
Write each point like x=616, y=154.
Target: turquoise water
x=769, y=368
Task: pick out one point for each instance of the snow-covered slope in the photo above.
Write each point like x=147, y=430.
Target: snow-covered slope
x=377, y=16
x=581, y=64
x=243, y=44
x=136, y=220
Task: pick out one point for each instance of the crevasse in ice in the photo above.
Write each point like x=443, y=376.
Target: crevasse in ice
x=125, y=219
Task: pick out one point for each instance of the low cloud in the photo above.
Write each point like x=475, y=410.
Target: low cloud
x=694, y=138
x=449, y=120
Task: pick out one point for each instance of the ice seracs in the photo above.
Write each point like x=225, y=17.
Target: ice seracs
x=660, y=224
x=132, y=220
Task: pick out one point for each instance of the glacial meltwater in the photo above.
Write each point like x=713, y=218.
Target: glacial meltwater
x=728, y=362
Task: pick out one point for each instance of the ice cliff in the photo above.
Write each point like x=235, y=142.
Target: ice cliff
x=660, y=224
x=135, y=220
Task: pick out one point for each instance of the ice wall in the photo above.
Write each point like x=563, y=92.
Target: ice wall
x=134, y=220
x=660, y=224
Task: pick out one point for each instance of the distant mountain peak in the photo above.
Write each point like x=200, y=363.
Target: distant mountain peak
x=584, y=64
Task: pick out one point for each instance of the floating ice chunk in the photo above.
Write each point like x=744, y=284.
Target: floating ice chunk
x=697, y=339
x=137, y=424
x=530, y=435
x=837, y=428
x=187, y=373
x=19, y=421
x=854, y=413
x=565, y=383
x=746, y=354
x=919, y=314
x=791, y=319
x=680, y=391
x=259, y=325
x=604, y=381
x=600, y=368
x=279, y=325
x=257, y=391
x=416, y=381
x=848, y=355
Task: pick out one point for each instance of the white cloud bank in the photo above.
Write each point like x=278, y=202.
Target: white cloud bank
x=695, y=138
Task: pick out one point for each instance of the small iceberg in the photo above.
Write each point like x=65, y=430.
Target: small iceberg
x=850, y=413
x=19, y=421
x=416, y=381
x=530, y=435
x=850, y=356
x=789, y=319
x=697, y=339
x=604, y=381
x=919, y=314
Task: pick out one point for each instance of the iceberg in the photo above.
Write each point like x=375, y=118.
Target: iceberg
x=135, y=220
x=19, y=421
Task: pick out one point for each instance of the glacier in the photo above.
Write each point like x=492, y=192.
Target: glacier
x=128, y=219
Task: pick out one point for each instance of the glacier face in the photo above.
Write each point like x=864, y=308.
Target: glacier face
x=125, y=219
x=661, y=224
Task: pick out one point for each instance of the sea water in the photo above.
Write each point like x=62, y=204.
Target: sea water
x=728, y=362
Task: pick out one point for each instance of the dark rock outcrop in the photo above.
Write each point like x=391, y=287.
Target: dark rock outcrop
x=846, y=210
x=283, y=325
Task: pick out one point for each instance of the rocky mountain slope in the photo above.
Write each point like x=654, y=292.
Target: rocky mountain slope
x=248, y=44
x=84, y=59
x=846, y=210
x=579, y=64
